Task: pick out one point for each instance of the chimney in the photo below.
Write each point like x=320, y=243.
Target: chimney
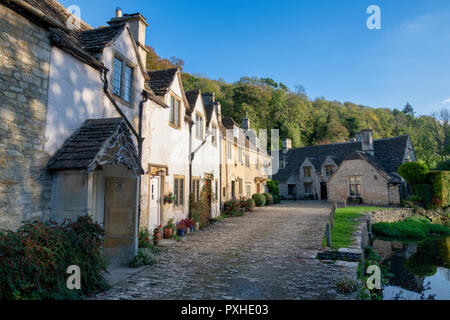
x=366, y=139
x=218, y=109
x=287, y=145
x=246, y=122
x=118, y=12
x=138, y=25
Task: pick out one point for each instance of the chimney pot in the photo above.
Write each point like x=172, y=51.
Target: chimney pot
x=118, y=12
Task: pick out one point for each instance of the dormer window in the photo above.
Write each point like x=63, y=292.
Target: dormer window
x=307, y=171
x=214, y=135
x=329, y=171
x=123, y=79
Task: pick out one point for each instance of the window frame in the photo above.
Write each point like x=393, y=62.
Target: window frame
x=199, y=132
x=355, y=183
x=310, y=185
x=125, y=63
x=174, y=116
x=329, y=170
x=309, y=170
x=196, y=188
x=214, y=135
x=177, y=179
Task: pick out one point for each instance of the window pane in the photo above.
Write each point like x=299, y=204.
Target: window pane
x=358, y=190
x=175, y=191
x=177, y=113
x=128, y=91
x=172, y=109
x=352, y=189
x=117, y=81
x=181, y=191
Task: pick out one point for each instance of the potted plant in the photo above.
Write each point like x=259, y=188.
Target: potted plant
x=157, y=235
x=190, y=224
x=196, y=217
x=169, y=198
x=168, y=230
x=181, y=228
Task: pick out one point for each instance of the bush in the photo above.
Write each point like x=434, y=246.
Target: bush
x=424, y=191
x=415, y=198
x=231, y=207
x=34, y=260
x=440, y=181
x=260, y=199
x=269, y=199
x=144, y=238
x=443, y=165
x=249, y=204
x=144, y=257
x=274, y=190
x=414, y=172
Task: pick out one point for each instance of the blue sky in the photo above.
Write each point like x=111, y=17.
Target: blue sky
x=323, y=45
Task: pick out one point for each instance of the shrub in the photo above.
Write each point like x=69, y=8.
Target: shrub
x=144, y=238
x=144, y=257
x=443, y=165
x=249, y=204
x=346, y=285
x=440, y=181
x=231, y=207
x=424, y=191
x=34, y=260
x=414, y=172
x=415, y=198
x=260, y=199
x=269, y=199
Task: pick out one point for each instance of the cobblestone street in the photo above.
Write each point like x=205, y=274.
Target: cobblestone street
x=266, y=254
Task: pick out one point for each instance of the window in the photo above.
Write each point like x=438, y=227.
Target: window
x=230, y=150
x=257, y=162
x=178, y=190
x=247, y=160
x=123, y=78
x=216, y=189
x=224, y=192
x=241, y=191
x=199, y=126
x=307, y=171
x=214, y=135
x=308, y=188
x=329, y=171
x=240, y=154
x=355, y=186
x=175, y=110
x=196, y=189
x=248, y=189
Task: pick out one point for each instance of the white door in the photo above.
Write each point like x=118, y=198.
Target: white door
x=155, y=202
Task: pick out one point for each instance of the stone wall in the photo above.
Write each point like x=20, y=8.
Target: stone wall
x=25, y=188
x=391, y=215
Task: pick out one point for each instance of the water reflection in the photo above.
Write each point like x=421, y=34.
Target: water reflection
x=421, y=270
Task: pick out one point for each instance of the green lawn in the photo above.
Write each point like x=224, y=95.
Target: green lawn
x=345, y=223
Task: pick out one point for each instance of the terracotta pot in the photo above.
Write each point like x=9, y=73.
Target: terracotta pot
x=158, y=235
x=168, y=233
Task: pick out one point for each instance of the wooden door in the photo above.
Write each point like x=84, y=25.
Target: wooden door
x=120, y=219
x=155, y=202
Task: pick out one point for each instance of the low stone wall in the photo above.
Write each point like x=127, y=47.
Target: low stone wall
x=393, y=215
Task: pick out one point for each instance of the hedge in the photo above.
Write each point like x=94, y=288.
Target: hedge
x=424, y=191
x=269, y=199
x=414, y=172
x=260, y=199
x=441, y=188
x=34, y=260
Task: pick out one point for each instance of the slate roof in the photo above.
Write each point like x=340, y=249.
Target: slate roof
x=209, y=112
x=228, y=122
x=55, y=11
x=191, y=97
x=360, y=155
x=87, y=45
x=388, y=155
x=161, y=80
x=86, y=147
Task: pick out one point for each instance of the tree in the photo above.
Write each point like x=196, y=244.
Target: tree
x=441, y=132
x=408, y=110
x=155, y=62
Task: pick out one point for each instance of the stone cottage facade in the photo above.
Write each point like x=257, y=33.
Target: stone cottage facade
x=246, y=166
x=364, y=168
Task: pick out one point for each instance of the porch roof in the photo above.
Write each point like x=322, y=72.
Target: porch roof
x=98, y=142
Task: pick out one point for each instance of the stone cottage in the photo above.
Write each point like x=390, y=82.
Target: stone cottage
x=205, y=147
x=246, y=164
x=363, y=169
x=165, y=150
x=72, y=104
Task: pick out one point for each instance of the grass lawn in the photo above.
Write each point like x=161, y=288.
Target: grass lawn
x=417, y=228
x=345, y=223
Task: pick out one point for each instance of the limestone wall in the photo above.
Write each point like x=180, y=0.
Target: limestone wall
x=391, y=215
x=25, y=187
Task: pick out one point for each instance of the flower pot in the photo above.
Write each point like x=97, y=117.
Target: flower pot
x=197, y=226
x=168, y=233
x=157, y=235
x=181, y=232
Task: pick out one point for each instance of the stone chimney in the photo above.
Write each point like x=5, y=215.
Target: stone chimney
x=366, y=139
x=246, y=122
x=287, y=145
x=138, y=25
x=218, y=109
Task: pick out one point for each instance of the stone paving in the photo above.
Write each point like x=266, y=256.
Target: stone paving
x=266, y=254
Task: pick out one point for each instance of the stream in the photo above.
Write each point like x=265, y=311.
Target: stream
x=421, y=270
